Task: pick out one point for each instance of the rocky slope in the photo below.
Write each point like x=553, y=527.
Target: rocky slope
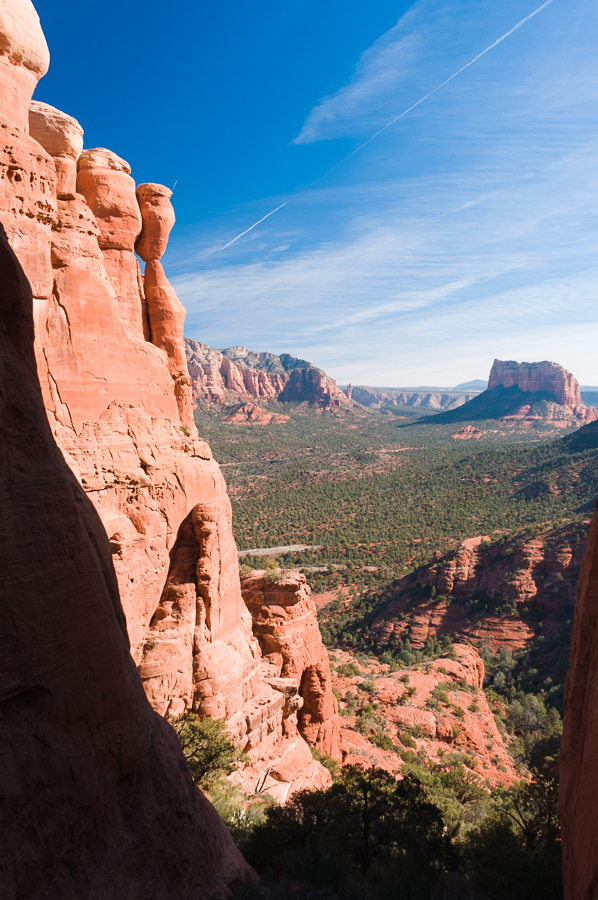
x=97, y=798
x=579, y=788
x=525, y=396
x=431, y=710
x=225, y=376
x=493, y=592
x=376, y=398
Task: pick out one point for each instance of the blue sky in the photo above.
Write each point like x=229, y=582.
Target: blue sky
x=466, y=231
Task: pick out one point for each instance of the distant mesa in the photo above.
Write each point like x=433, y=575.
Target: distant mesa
x=225, y=377
x=526, y=394
x=418, y=397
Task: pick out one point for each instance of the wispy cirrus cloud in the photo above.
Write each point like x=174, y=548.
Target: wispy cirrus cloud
x=467, y=233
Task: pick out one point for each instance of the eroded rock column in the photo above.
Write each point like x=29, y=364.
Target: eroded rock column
x=166, y=313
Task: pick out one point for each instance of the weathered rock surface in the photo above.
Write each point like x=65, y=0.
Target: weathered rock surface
x=117, y=394
x=250, y=414
x=462, y=724
x=286, y=626
x=62, y=137
x=224, y=376
x=578, y=773
x=158, y=218
x=97, y=798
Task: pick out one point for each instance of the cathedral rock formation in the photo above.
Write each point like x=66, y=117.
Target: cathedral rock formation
x=97, y=800
x=117, y=394
x=578, y=773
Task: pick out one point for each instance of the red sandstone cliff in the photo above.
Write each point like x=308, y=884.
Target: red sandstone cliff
x=97, y=798
x=227, y=375
x=538, y=574
x=578, y=774
x=117, y=393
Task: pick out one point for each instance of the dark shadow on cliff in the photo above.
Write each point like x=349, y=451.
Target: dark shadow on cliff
x=97, y=800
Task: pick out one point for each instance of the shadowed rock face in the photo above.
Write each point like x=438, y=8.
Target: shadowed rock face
x=578, y=770
x=97, y=799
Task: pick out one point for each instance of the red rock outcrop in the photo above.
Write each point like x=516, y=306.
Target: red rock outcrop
x=250, y=414
x=224, y=376
x=97, y=798
x=110, y=357
x=286, y=626
x=578, y=779
x=413, y=714
x=536, y=573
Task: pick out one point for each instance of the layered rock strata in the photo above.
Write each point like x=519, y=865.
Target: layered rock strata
x=97, y=798
x=377, y=398
x=225, y=376
x=578, y=779
x=286, y=626
x=117, y=394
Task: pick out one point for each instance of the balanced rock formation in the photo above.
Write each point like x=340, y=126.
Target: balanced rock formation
x=97, y=798
x=578, y=781
x=286, y=626
x=225, y=376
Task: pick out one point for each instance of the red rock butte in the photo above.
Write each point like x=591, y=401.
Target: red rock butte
x=540, y=376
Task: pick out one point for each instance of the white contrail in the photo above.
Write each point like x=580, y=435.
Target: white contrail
x=255, y=224
x=396, y=118
x=454, y=75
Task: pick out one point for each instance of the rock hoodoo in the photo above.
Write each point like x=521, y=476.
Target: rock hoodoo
x=225, y=376
x=97, y=799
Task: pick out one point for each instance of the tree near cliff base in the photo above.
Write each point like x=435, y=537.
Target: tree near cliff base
x=211, y=756
x=208, y=748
